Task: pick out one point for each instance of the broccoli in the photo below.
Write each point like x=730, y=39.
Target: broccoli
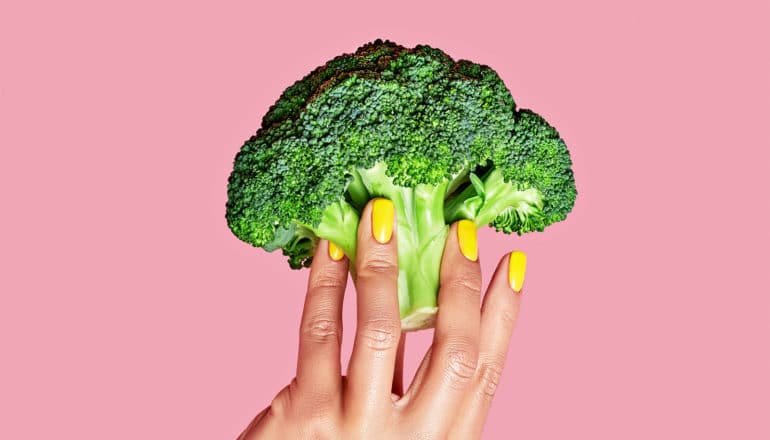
x=442, y=139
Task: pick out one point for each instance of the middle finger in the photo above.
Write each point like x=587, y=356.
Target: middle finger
x=372, y=363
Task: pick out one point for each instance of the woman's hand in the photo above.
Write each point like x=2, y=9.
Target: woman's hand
x=453, y=387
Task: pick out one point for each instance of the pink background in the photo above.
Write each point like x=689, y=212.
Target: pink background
x=129, y=310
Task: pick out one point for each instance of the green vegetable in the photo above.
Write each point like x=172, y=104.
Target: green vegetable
x=442, y=139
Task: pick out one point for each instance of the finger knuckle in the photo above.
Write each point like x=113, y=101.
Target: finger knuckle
x=322, y=329
x=467, y=283
x=381, y=334
x=489, y=378
x=326, y=280
x=460, y=363
x=377, y=264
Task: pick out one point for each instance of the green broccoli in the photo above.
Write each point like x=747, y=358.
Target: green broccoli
x=442, y=139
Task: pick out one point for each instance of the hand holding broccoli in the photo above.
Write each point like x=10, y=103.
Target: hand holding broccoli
x=453, y=387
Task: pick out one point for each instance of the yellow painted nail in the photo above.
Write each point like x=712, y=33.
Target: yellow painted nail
x=335, y=253
x=382, y=220
x=466, y=236
x=517, y=266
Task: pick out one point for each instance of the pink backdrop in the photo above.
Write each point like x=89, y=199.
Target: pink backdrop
x=129, y=311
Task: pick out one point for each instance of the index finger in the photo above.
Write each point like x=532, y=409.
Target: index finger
x=318, y=361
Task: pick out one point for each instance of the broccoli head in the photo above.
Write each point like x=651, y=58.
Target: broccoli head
x=441, y=139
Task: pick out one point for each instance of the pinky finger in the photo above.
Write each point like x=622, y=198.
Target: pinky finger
x=499, y=313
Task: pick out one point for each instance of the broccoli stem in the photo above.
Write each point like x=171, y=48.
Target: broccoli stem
x=489, y=197
x=463, y=205
x=500, y=196
x=421, y=233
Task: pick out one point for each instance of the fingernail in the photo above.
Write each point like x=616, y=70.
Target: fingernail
x=517, y=266
x=382, y=220
x=466, y=236
x=335, y=253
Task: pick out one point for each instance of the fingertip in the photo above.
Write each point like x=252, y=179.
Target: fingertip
x=383, y=218
x=461, y=249
x=500, y=309
x=517, y=268
x=378, y=223
x=460, y=268
x=467, y=239
x=335, y=252
x=328, y=257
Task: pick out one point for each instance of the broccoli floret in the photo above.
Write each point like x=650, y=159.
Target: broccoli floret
x=442, y=139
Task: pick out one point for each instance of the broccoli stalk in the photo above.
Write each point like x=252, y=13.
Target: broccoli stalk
x=441, y=139
x=421, y=234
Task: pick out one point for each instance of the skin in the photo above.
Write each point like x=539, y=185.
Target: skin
x=451, y=393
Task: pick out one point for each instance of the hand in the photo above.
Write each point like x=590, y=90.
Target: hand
x=453, y=387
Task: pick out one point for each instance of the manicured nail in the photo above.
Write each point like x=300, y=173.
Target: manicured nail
x=466, y=236
x=382, y=220
x=335, y=253
x=517, y=266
